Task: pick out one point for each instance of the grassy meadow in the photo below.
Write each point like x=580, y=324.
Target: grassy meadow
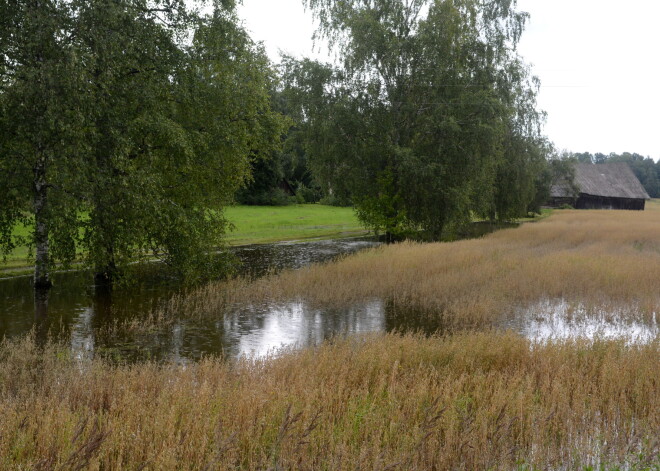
x=478, y=398
x=263, y=224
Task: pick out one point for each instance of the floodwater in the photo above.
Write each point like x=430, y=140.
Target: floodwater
x=87, y=316
x=552, y=320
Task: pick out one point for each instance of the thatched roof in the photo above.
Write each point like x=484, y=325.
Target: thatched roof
x=613, y=180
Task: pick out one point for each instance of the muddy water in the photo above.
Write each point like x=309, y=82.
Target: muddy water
x=86, y=315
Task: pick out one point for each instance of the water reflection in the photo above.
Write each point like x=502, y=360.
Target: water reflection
x=87, y=315
x=257, y=260
x=551, y=320
x=97, y=322
x=266, y=329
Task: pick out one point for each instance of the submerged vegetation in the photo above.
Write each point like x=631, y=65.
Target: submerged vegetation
x=600, y=259
x=476, y=399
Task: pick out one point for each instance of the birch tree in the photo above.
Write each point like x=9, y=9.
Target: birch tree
x=428, y=107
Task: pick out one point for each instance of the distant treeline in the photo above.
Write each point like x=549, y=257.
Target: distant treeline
x=646, y=169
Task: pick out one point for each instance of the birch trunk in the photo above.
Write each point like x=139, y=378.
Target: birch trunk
x=41, y=265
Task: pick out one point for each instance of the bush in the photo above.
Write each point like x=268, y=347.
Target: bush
x=305, y=194
x=333, y=200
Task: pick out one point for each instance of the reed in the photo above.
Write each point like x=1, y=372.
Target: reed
x=470, y=401
x=604, y=259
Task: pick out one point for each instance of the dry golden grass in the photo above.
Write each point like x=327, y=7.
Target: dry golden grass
x=472, y=401
x=607, y=259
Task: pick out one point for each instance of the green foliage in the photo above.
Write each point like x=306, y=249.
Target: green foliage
x=263, y=188
x=428, y=115
x=305, y=194
x=42, y=127
x=108, y=109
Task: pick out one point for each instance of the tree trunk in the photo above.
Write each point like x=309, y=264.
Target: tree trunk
x=41, y=316
x=41, y=266
x=106, y=275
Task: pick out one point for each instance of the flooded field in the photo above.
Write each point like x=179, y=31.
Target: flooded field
x=551, y=320
x=552, y=281
x=531, y=348
x=88, y=314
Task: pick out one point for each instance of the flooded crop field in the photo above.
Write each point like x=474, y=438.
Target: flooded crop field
x=139, y=323
x=529, y=348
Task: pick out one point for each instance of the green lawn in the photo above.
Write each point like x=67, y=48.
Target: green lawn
x=19, y=257
x=257, y=225
x=261, y=224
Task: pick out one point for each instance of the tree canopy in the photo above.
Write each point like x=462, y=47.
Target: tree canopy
x=430, y=118
x=126, y=126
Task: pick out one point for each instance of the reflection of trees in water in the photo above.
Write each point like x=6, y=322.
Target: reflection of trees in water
x=257, y=260
x=87, y=316
x=401, y=317
x=17, y=306
x=41, y=315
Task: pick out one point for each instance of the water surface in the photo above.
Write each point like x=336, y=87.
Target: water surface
x=94, y=320
x=88, y=314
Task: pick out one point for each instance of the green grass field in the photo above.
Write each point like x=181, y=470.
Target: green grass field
x=20, y=257
x=256, y=225
x=262, y=224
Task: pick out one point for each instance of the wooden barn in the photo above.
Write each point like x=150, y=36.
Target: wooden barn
x=600, y=186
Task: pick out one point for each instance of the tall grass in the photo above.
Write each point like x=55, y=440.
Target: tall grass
x=473, y=401
x=479, y=400
x=598, y=258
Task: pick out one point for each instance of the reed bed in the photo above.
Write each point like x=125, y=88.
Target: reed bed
x=604, y=259
x=470, y=401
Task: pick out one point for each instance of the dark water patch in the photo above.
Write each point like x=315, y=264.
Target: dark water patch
x=97, y=321
x=258, y=260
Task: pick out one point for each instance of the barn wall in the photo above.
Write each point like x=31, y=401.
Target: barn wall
x=601, y=202
x=558, y=202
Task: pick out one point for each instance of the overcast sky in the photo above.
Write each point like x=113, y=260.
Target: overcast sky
x=598, y=61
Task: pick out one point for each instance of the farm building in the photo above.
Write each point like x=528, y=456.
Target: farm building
x=600, y=186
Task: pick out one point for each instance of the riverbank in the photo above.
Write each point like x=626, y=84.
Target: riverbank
x=270, y=224
x=250, y=225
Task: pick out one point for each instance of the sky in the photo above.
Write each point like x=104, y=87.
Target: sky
x=598, y=61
